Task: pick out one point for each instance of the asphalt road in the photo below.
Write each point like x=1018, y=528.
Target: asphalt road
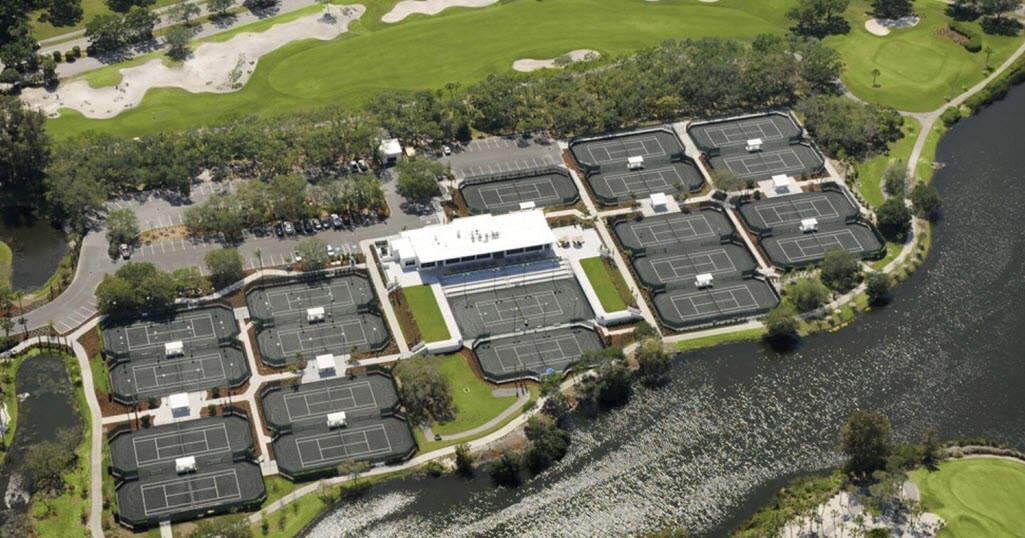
x=157, y=209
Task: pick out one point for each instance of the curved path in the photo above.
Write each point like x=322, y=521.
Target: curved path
x=521, y=400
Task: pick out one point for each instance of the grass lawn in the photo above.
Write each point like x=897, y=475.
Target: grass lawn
x=932, y=141
x=427, y=313
x=599, y=277
x=745, y=335
x=428, y=445
x=920, y=70
x=472, y=397
x=892, y=250
x=870, y=171
x=975, y=496
x=6, y=259
x=458, y=45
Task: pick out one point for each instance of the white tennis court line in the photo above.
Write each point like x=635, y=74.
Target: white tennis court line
x=815, y=246
x=624, y=149
x=155, y=334
x=642, y=181
x=519, y=308
x=534, y=354
x=795, y=211
x=519, y=192
x=351, y=388
x=687, y=230
x=313, y=300
x=190, y=502
x=155, y=441
x=319, y=334
x=695, y=264
x=178, y=367
x=719, y=298
x=340, y=436
x=743, y=131
x=766, y=162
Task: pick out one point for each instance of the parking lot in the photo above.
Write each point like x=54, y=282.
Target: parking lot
x=497, y=155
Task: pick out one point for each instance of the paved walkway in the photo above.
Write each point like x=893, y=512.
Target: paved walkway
x=521, y=400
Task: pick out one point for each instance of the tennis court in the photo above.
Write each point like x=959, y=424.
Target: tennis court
x=358, y=396
x=664, y=230
x=737, y=299
x=339, y=335
x=775, y=127
x=289, y=302
x=138, y=379
x=317, y=447
x=525, y=307
x=796, y=249
x=827, y=207
x=155, y=449
x=620, y=148
x=681, y=267
x=532, y=355
x=553, y=188
x=143, y=503
x=145, y=336
x=617, y=184
x=795, y=160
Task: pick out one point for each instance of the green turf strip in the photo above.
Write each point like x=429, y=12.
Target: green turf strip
x=598, y=274
x=427, y=313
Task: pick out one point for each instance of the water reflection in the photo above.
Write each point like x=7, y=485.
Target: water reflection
x=37, y=246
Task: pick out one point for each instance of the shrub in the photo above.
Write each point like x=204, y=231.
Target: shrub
x=781, y=322
x=57, y=56
x=894, y=219
x=505, y=471
x=807, y=294
x=951, y=116
x=841, y=270
x=926, y=201
x=433, y=468
x=77, y=50
x=877, y=285
x=974, y=43
x=69, y=55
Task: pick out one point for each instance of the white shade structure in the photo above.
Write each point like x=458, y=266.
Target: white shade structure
x=336, y=420
x=703, y=280
x=635, y=163
x=174, y=349
x=185, y=465
x=809, y=225
x=754, y=144
x=314, y=315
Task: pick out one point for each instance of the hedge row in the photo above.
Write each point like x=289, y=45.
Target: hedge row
x=997, y=89
x=974, y=43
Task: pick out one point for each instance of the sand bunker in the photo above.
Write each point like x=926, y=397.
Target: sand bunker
x=579, y=55
x=406, y=8
x=213, y=67
x=881, y=27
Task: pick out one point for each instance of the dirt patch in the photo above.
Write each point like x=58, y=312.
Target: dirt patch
x=162, y=234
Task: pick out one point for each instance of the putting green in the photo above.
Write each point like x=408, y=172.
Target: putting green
x=976, y=496
x=918, y=67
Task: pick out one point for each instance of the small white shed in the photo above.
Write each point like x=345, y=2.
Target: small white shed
x=809, y=225
x=527, y=206
x=336, y=420
x=314, y=315
x=185, y=465
x=635, y=163
x=174, y=349
x=659, y=201
x=390, y=150
x=326, y=365
x=703, y=280
x=754, y=144
x=179, y=404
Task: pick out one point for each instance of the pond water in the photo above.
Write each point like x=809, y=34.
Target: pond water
x=47, y=409
x=38, y=247
x=738, y=421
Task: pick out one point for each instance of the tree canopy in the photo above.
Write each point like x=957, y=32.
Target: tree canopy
x=807, y=294
x=425, y=393
x=926, y=200
x=841, y=270
x=846, y=128
x=24, y=147
x=894, y=218
x=865, y=440
x=225, y=266
x=122, y=226
x=419, y=177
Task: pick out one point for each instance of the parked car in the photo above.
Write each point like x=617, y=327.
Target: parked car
x=325, y=223
x=289, y=229
x=354, y=166
x=446, y=150
x=296, y=256
x=331, y=251
x=279, y=230
x=316, y=224
x=125, y=251
x=346, y=218
x=336, y=221
x=308, y=226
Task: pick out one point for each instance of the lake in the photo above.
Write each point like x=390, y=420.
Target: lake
x=738, y=421
x=38, y=247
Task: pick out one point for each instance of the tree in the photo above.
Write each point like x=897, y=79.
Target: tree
x=548, y=442
x=418, y=178
x=62, y=13
x=728, y=180
x=184, y=12
x=877, y=285
x=865, y=440
x=314, y=253
x=932, y=450
x=24, y=147
x=225, y=266
x=643, y=330
x=926, y=201
x=998, y=7
x=288, y=196
x=505, y=471
x=653, y=362
x=189, y=282
x=47, y=462
x=840, y=270
x=220, y=7
x=892, y=9
x=807, y=294
x=464, y=460
x=894, y=218
x=612, y=386
x=425, y=393
x=106, y=32
x=122, y=6
x=115, y=294
x=177, y=40
x=847, y=128
x=895, y=179
x=819, y=18
x=122, y=226
x=781, y=322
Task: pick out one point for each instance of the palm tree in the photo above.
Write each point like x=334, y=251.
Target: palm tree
x=875, y=75
x=6, y=324
x=989, y=52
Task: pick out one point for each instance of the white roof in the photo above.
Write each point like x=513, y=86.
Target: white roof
x=179, y=401
x=527, y=205
x=704, y=278
x=336, y=419
x=658, y=198
x=325, y=362
x=809, y=223
x=473, y=236
x=780, y=180
x=174, y=348
x=754, y=142
x=391, y=146
x=635, y=160
x=185, y=464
